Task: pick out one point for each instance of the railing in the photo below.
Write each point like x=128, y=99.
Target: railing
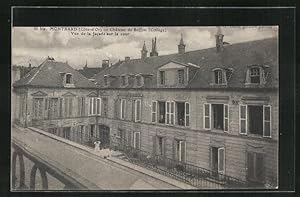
x=18, y=179
x=188, y=173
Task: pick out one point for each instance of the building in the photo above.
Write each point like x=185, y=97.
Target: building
x=215, y=108
x=89, y=72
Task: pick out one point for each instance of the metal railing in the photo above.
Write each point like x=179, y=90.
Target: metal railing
x=18, y=179
x=184, y=172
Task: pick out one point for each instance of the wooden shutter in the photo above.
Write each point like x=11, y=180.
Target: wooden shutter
x=206, y=116
x=154, y=145
x=174, y=149
x=183, y=151
x=221, y=160
x=117, y=108
x=46, y=114
x=70, y=107
x=226, y=117
x=243, y=119
x=154, y=111
x=79, y=107
x=60, y=107
x=267, y=121
x=172, y=112
x=187, y=114
x=247, y=79
x=133, y=110
x=164, y=146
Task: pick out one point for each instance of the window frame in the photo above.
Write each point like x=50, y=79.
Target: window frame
x=219, y=150
x=226, y=118
x=162, y=77
x=256, y=75
x=187, y=114
x=134, y=139
x=66, y=78
x=270, y=121
x=135, y=109
x=243, y=119
x=154, y=113
x=123, y=111
x=36, y=112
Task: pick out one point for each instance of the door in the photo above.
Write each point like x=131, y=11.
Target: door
x=214, y=161
x=104, y=136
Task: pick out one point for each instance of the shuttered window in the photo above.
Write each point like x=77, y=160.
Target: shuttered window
x=206, y=117
x=38, y=108
x=137, y=140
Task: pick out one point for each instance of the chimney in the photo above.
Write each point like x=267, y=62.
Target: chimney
x=127, y=58
x=219, y=40
x=105, y=64
x=154, y=49
x=181, y=46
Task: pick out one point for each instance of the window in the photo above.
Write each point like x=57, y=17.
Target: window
x=81, y=106
x=66, y=132
x=216, y=116
x=38, y=108
x=123, y=108
x=138, y=80
x=94, y=106
x=217, y=160
x=92, y=131
x=183, y=113
x=53, y=108
x=98, y=104
x=219, y=76
x=160, y=146
x=137, y=104
x=123, y=80
x=170, y=112
x=68, y=107
x=137, y=140
x=154, y=111
x=162, y=112
x=180, y=150
x=68, y=78
x=105, y=107
x=254, y=75
x=162, y=77
x=105, y=79
x=255, y=119
x=255, y=167
x=181, y=76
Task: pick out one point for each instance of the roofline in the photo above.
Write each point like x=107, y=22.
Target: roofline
x=41, y=86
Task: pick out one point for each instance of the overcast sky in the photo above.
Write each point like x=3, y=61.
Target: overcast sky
x=33, y=45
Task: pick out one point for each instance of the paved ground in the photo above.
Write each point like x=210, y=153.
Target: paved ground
x=105, y=174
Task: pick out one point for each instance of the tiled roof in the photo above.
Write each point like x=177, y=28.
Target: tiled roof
x=236, y=56
x=89, y=72
x=48, y=74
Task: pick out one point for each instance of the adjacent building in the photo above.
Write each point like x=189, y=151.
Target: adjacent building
x=215, y=108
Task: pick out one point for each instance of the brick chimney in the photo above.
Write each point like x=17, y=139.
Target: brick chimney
x=127, y=58
x=105, y=64
x=219, y=40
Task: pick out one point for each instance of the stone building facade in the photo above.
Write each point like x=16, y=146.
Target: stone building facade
x=215, y=108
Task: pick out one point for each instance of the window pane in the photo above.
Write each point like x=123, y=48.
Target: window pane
x=94, y=106
x=221, y=159
x=206, y=122
x=243, y=112
x=187, y=119
x=267, y=129
x=154, y=106
x=187, y=108
x=98, y=106
x=153, y=117
x=267, y=113
x=243, y=126
x=226, y=125
x=206, y=113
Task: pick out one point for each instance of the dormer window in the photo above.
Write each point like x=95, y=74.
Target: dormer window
x=124, y=80
x=139, y=80
x=68, y=78
x=162, y=77
x=105, y=79
x=180, y=76
x=254, y=75
x=219, y=76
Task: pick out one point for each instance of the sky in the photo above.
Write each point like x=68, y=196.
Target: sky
x=81, y=45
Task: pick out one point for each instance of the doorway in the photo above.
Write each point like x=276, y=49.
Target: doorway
x=104, y=135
